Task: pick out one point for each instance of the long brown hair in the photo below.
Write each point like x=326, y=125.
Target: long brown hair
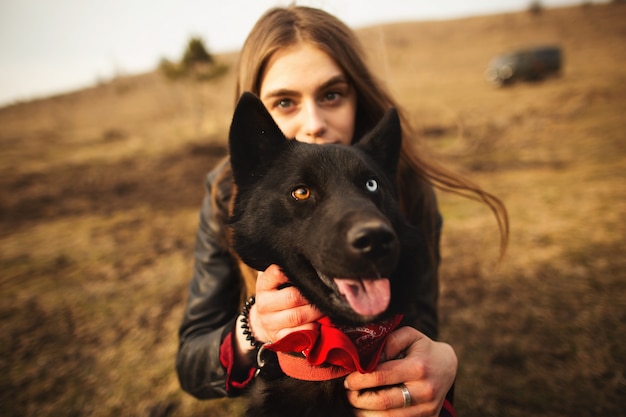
x=284, y=26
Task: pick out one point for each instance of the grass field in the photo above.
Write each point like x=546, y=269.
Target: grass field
x=99, y=192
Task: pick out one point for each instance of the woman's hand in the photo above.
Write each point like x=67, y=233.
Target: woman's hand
x=427, y=368
x=279, y=308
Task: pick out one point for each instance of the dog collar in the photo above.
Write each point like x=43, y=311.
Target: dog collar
x=332, y=351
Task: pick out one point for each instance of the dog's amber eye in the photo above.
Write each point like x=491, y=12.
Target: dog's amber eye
x=301, y=193
x=371, y=185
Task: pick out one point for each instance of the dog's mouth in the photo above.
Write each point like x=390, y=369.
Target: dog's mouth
x=366, y=296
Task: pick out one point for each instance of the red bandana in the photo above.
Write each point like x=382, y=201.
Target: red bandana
x=332, y=351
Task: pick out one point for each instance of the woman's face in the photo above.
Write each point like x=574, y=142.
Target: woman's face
x=308, y=95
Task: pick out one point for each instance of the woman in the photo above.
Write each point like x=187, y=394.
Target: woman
x=308, y=69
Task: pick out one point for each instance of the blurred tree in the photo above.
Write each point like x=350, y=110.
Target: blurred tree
x=196, y=65
x=196, y=53
x=535, y=7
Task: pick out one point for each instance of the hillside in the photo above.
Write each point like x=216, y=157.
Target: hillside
x=99, y=192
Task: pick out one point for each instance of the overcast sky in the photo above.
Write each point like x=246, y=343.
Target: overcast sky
x=51, y=46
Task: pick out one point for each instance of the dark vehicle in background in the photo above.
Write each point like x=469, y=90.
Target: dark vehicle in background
x=530, y=64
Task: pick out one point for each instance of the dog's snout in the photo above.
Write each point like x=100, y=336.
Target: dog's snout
x=373, y=239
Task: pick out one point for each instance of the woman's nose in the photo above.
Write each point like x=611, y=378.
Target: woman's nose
x=313, y=124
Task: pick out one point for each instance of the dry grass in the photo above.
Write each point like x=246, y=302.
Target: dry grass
x=99, y=192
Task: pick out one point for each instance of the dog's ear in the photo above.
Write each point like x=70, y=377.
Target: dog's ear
x=383, y=143
x=254, y=140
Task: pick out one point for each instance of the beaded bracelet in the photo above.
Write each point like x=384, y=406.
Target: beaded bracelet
x=245, y=325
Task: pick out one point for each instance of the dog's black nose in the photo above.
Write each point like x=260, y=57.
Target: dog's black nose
x=372, y=239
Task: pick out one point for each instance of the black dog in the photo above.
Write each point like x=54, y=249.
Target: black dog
x=328, y=216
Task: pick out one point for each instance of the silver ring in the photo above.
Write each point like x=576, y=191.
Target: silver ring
x=406, y=395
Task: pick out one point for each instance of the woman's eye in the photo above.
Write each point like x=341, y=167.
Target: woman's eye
x=333, y=98
x=283, y=103
x=301, y=193
x=371, y=185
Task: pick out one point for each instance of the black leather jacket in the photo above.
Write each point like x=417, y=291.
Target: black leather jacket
x=214, y=295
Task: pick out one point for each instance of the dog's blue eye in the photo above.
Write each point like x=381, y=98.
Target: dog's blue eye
x=301, y=193
x=371, y=185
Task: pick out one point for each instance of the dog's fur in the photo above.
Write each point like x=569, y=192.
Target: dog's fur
x=347, y=226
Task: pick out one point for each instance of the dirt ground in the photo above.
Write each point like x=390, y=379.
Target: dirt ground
x=99, y=192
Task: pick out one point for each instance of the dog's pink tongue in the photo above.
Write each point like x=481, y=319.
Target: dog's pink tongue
x=367, y=297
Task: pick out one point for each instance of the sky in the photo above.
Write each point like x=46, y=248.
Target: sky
x=53, y=46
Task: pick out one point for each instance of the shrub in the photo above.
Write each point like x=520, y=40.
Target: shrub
x=197, y=63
